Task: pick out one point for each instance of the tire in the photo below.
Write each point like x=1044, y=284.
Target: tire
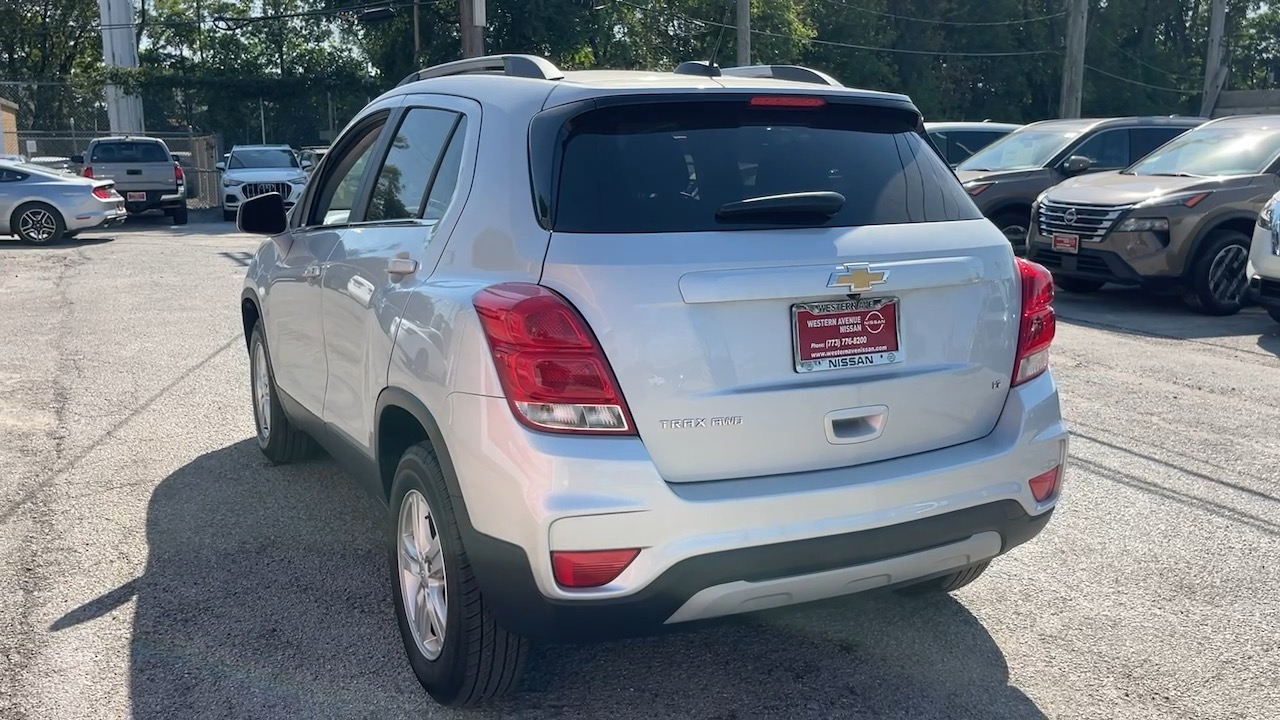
x=947, y=583
x=278, y=439
x=1014, y=225
x=1224, y=255
x=1076, y=284
x=36, y=223
x=228, y=216
x=180, y=215
x=477, y=660
x=1274, y=313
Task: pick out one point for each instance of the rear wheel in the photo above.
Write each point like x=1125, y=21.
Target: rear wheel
x=278, y=439
x=37, y=224
x=179, y=215
x=947, y=583
x=457, y=650
x=1218, y=282
x=1274, y=313
x=1077, y=285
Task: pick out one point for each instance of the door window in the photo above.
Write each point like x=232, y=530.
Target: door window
x=1108, y=150
x=411, y=161
x=1144, y=140
x=340, y=186
x=446, y=180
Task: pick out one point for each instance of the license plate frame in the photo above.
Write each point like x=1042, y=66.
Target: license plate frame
x=136, y=196
x=1065, y=243
x=847, y=356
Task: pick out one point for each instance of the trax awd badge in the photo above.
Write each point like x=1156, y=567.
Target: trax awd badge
x=857, y=277
x=691, y=423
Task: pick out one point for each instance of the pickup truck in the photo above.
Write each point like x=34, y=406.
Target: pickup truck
x=144, y=171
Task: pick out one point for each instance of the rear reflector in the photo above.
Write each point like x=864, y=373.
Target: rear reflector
x=1044, y=485
x=799, y=101
x=551, y=367
x=590, y=568
x=1038, y=323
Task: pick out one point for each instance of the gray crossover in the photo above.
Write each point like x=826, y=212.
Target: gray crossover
x=621, y=350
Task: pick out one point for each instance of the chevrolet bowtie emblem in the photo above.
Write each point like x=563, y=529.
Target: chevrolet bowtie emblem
x=857, y=277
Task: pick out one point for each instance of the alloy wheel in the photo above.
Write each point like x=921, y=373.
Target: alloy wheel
x=422, y=575
x=37, y=225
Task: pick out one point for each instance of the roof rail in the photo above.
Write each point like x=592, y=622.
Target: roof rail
x=512, y=65
x=793, y=73
x=698, y=67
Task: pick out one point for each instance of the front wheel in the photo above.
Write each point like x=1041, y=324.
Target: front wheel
x=36, y=223
x=278, y=439
x=1218, y=282
x=459, y=653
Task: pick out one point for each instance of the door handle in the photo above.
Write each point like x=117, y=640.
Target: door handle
x=401, y=266
x=132, y=172
x=311, y=272
x=855, y=425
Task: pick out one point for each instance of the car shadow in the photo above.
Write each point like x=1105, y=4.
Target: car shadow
x=12, y=243
x=1139, y=312
x=265, y=595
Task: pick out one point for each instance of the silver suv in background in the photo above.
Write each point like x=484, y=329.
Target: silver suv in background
x=621, y=350
x=144, y=171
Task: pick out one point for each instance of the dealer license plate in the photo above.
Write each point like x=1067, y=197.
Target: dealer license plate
x=136, y=196
x=1066, y=244
x=845, y=334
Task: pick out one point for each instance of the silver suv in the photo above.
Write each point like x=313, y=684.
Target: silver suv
x=621, y=350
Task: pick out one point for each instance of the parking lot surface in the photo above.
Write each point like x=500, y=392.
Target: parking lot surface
x=154, y=565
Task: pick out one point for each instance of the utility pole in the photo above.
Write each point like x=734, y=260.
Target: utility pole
x=1214, y=71
x=1073, y=65
x=120, y=50
x=744, y=32
x=473, y=23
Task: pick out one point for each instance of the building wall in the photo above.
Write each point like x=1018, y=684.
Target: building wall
x=8, y=127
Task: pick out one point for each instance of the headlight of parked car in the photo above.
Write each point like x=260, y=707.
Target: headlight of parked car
x=1143, y=225
x=1265, y=216
x=231, y=182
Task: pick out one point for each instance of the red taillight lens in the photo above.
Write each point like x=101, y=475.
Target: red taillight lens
x=792, y=101
x=551, y=367
x=88, y=171
x=1038, y=323
x=590, y=568
x=103, y=192
x=1044, y=485
x=178, y=174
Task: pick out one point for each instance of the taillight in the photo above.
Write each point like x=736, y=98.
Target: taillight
x=1038, y=323
x=103, y=192
x=1044, y=485
x=88, y=171
x=791, y=101
x=551, y=366
x=178, y=175
x=590, y=568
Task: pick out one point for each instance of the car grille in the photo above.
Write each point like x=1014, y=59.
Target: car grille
x=1090, y=222
x=256, y=189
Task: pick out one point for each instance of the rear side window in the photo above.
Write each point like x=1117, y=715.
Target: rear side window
x=129, y=152
x=668, y=167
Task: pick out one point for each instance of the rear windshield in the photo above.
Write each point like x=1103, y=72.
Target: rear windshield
x=129, y=152
x=668, y=167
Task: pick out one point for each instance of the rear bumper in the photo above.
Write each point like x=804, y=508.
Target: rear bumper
x=96, y=219
x=155, y=200
x=717, y=548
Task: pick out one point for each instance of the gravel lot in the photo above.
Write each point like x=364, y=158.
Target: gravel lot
x=153, y=565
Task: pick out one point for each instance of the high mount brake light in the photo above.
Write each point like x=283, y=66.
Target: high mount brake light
x=1037, y=324
x=789, y=101
x=552, y=368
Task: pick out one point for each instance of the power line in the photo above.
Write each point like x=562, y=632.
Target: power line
x=832, y=43
x=953, y=23
x=1121, y=78
x=1140, y=61
x=230, y=19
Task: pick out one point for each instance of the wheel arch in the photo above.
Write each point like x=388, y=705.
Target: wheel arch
x=11, y=222
x=401, y=420
x=1240, y=221
x=250, y=312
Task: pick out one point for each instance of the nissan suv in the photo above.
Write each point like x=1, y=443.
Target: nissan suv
x=1005, y=177
x=623, y=350
x=1180, y=219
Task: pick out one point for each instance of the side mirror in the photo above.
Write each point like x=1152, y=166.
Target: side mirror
x=1076, y=164
x=77, y=159
x=220, y=165
x=263, y=215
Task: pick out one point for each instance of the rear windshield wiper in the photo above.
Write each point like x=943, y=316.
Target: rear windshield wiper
x=821, y=203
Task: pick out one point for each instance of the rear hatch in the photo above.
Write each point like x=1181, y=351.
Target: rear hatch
x=816, y=335
x=134, y=165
